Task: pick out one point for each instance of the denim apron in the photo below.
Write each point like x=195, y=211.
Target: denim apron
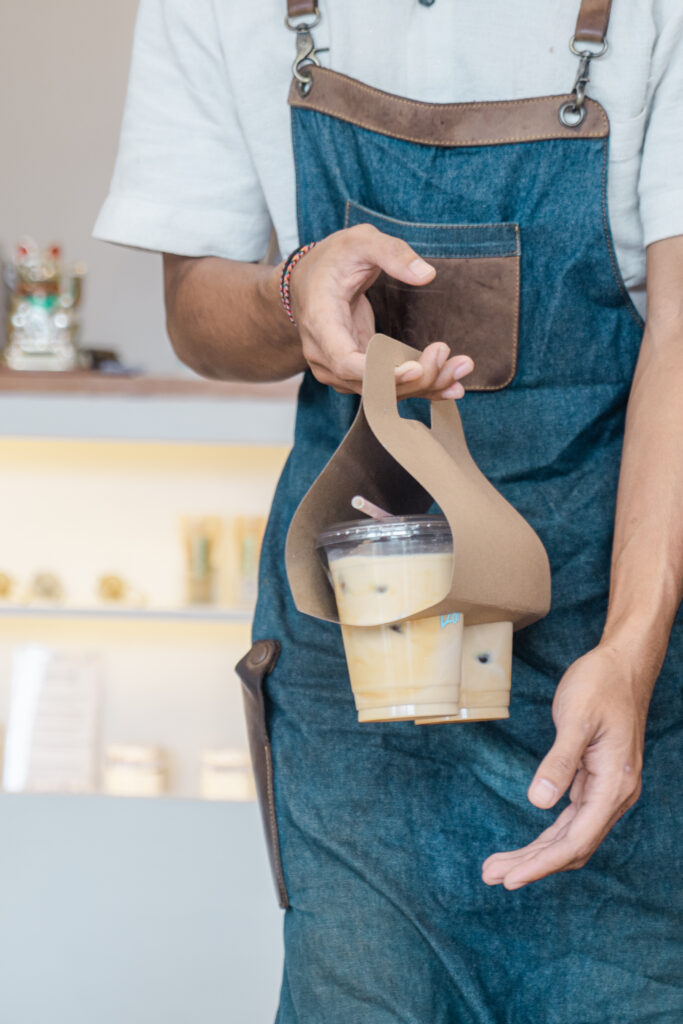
x=377, y=832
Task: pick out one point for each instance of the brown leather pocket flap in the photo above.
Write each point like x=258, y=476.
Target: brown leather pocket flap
x=473, y=302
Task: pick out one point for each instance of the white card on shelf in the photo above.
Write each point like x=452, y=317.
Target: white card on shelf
x=53, y=723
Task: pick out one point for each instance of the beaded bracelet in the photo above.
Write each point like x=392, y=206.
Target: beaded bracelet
x=287, y=269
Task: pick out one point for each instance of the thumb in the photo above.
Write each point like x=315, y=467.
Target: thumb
x=397, y=259
x=558, y=768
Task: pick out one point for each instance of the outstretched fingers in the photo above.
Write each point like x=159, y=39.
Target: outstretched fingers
x=435, y=375
x=572, y=848
x=495, y=867
x=597, y=804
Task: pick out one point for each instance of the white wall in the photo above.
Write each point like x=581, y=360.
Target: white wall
x=63, y=71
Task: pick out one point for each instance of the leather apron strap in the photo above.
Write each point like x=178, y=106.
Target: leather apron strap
x=299, y=8
x=592, y=23
x=591, y=26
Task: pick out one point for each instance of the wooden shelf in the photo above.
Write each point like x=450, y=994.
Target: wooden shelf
x=190, y=614
x=89, y=382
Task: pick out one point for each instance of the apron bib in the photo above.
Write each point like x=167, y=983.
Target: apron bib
x=377, y=832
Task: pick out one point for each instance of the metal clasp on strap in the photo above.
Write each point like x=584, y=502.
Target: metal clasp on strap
x=572, y=113
x=306, y=53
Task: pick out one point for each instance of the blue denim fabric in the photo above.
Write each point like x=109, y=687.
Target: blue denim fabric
x=438, y=240
x=383, y=828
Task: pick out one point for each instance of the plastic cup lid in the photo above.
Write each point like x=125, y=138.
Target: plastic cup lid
x=390, y=528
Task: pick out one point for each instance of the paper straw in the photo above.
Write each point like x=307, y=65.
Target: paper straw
x=363, y=505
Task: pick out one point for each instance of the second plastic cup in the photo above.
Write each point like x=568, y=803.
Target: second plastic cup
x=486, y=675
x=383, y=571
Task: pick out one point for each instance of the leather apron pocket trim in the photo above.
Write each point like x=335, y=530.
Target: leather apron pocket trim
x=258, y=663
x=473, y=302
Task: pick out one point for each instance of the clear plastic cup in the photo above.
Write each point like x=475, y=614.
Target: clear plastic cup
x=382, y=571
x=486, y=675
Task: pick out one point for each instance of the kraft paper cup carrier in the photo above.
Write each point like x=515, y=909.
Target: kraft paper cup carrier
x=500, y=574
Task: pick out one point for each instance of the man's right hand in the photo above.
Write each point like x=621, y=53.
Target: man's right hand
x=336, y=321
x=225, y=317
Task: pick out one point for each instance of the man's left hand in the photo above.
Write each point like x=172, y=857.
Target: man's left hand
x=600, y=709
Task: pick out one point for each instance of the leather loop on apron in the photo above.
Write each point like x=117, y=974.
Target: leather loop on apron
x=252, y=670
x=593, y=21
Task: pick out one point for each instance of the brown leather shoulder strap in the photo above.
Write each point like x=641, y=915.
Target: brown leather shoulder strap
x=299, y=8
x=593, y=20
x=591, y=26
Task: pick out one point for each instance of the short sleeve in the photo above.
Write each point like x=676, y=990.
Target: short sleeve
x=184, y=181
x=661, y=174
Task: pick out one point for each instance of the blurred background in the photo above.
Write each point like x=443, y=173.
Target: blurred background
x=134, y=884
x=63, y=78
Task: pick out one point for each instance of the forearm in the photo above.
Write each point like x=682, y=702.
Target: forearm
x=225, y=320
x=647, y=560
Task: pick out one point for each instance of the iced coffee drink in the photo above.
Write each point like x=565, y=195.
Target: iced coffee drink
x=486, y=674
x=383, y=571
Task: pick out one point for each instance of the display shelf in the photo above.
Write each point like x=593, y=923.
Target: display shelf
x=198, y=614
x=95, y=407
x=89, y=382
x=100, y=484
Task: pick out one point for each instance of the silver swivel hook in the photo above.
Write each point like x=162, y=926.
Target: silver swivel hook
x=306, y=52
x=573, y=113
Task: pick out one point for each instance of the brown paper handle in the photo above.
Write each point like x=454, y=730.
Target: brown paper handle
x=380, y=400
x=495, y=549
x=380, y=404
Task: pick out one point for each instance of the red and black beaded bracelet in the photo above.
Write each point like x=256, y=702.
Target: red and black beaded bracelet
x=287, y=269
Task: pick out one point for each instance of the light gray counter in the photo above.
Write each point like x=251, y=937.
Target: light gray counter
x=143, y=911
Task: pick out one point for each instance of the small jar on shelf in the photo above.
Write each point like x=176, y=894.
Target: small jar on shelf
x=135, y=771
x=226, y=775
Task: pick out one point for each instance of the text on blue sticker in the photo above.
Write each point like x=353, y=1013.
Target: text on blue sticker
x=447, y=620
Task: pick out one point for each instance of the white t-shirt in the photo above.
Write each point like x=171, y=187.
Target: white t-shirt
x=205, y=163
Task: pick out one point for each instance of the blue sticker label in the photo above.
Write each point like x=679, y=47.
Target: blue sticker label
x=452, y=619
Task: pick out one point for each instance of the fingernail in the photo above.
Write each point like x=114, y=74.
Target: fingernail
x=418, y=268
x=442, y=357
x=545, y=792
x=461, y=369
x=454, y=391
x=408, y=371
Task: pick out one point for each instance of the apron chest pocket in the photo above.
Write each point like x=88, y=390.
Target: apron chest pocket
x=252, y=670
x=473, y=302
